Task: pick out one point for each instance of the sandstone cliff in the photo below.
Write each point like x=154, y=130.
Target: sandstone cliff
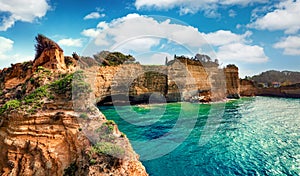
x=183, y=79
x=247, y=88
x=43, y=131
x=232, y=81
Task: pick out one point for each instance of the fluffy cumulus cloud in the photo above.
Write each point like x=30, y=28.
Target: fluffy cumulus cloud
x=285, y=17
x=222, y=37
x=242, y=52
x=90, y=32
x=70, y=42
x=94, y=15
x=193, y=6
x=6, y=45
x=20, y=10
x=136, y=32
x=235, y=47
x=290, y=45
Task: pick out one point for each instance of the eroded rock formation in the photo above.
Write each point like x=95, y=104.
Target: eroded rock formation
x=182, y=79
x=232, y=81
x=247, y=88
x=42, y=130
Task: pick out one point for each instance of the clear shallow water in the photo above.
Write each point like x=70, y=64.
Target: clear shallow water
x=253, y=136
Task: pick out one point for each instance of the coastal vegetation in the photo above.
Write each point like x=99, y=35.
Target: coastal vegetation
x=108, y=148
x=64, y=84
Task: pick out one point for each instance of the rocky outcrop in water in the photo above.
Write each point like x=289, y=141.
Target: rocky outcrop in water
x=232, y=81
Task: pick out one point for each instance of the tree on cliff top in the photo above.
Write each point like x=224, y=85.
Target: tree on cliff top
x=113, y=58
x=44, y=43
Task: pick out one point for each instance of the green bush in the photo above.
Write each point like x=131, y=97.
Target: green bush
x=75, y=81
x=110, y=125
x=93, y=161
x=40, y=68
x=83, y=116
x=38, y=93
x=63, y=85
x=11, y=104
x=108, y=148
x=106, y=128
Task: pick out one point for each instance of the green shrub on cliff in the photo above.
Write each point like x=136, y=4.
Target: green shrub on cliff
x=113, y=58
x=67, y=85
x=71, y=82
x=63, y=85
x=107, y=127
x=105, y=131
x=38, y=93
x=108, y=148
x=83, y=116
x=9, y=105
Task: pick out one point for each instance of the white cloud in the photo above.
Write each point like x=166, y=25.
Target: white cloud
x=192, y=6
x=102, y=25
x=235, y=47
x=222, y=37
x=290, y=45
x=6, y=45
x=242, y=52
x=6, y=58
x=241, y=2
x=94, y=15
x=139, y=45
x=138, y=33
x=285, y=17
x=19, y=10
x=135, y=26
x=70, y=42
x=93, y=33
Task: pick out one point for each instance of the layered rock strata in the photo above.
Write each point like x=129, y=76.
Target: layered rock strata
x=180, y=80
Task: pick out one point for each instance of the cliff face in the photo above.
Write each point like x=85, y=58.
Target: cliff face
x=43, y=131
x=181, y=80
x=232, y=81
x=129, y=82
x=247, y=88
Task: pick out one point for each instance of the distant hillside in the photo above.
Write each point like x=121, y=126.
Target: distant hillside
x=287, y=77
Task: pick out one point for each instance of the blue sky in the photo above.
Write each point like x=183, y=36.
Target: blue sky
x=256, y=35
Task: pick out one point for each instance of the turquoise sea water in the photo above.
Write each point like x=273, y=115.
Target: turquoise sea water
x=250, y=136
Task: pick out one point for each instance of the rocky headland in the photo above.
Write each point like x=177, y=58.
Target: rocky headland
x=43, y=131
